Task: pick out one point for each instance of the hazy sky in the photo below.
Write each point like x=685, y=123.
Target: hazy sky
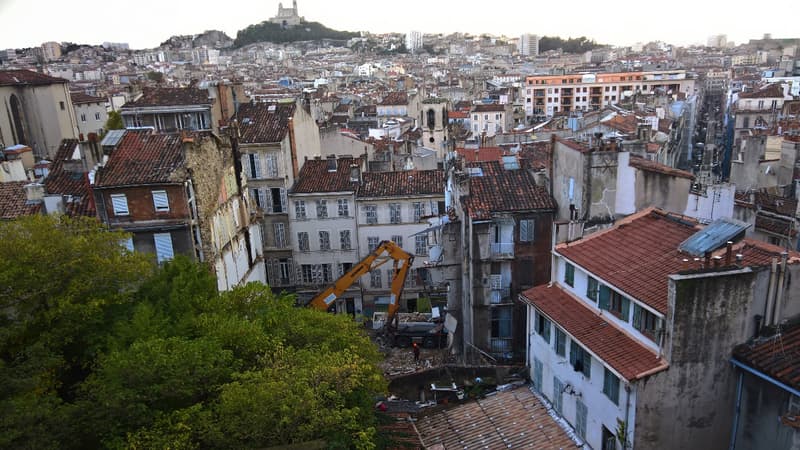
x=146, y=23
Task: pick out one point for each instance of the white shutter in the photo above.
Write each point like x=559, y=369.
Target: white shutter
x=497, y=281
x=163, y=246
x=523, y=230
x=257, y=165
x=266, y=200
x=272, y=166
x=246, y=165
x=160, y=201
x=283, y=201
x=120, y=204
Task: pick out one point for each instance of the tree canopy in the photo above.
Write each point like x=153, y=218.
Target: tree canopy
x=114, y=121
x=570, y=45
x=272, y=32
x=100, y=349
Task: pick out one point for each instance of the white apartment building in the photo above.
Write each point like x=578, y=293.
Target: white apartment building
x=91, y=113
x=548, y=95
x=528, y=45
x=393, y=206
x=322, y=219
x=414, y=41
x=490, y=119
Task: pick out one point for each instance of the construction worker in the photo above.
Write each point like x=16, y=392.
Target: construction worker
x=416, y=351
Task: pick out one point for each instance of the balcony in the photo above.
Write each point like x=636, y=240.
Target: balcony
x=502, y=250
x=500, y=345
x=501, y=295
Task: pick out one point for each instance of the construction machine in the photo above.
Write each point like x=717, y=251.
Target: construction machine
x=402, y=264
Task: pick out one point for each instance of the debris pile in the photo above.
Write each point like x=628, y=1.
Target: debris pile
x=400, y=361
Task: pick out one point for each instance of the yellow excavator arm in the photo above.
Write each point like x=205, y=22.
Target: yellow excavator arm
x=402, y=264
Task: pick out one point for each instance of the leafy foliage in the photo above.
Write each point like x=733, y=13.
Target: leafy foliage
x=114, y=121
x=570, y=45
x=94, y=357
x=272, y=32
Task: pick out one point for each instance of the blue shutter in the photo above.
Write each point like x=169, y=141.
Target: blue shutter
x=605, y=294
x=573, y=352
x=587, y=365
x=160, y=200
x=163, y=243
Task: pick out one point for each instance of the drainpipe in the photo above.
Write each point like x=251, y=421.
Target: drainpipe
x=195, y=226
x=627, y=414
x=737, y=409
x=779, y=288
x=770, y=293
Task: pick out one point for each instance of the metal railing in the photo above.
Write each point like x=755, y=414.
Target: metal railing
x=503, y=249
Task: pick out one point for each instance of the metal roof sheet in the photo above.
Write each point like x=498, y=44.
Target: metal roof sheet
x=713, y=236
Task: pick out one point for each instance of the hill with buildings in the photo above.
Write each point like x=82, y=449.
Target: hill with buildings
x=277, y=33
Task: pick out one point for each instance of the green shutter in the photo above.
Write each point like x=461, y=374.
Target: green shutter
x=605, y=295
x=573, y=352
x=587, y=364
x=626, y=309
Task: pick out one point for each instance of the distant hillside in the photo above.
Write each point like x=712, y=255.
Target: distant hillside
x=272, y=32
x=570, y=45
x=210, y=38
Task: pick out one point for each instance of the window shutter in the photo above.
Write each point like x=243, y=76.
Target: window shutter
x=163, y=243
x=283, y=200
x=265, y=203
x=605, y=295
x=626, y=308
x=246, y=165
x=496, y=281
x=637, y=317
x=160, y=200
x=270, y=165
x=523, y=230
x=120, y=204
x=587, y=364
x=573, y=352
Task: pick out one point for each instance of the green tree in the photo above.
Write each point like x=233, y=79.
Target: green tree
x=158, y=77
x=114, y=121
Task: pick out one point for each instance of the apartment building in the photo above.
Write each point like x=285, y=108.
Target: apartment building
x=491, y=119
x=549, y=95
x=90, y=112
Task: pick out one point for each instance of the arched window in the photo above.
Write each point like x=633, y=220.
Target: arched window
x=431, y=119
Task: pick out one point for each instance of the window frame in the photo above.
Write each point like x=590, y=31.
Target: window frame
x=395, y=213
x=543, y=327
x=371, y=214
x=560, y=343
x=343, y=206
x=592, y=288
x=611, y=386
x=300, y=210
x=343, y=241
x=157, y=194
x=569, y=274
x=324, y=240
x=322, y=208
x=114, y=204
x=303, y=244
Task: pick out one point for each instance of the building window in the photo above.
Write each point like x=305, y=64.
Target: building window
x=526, y=228
x=277, y=200
x=326, y=274
x=614, y=302
x=372, y=243
x=591, y=289
x=322, y=209
x=501, y=323
x=375, y=279
x=272, y=165
x=397, y=239
x=371, y=212
x=580, y=418
x=302, y=241
x=394, y=212
x=160, y=201
x=344, y=207
x=280, y=234
x=83, y=117
x=580, y=359
x=120, y=204
x=163, y=242
x=300, y=209
x=421, y=245
x=543, y=327
x=538, y=368
x=646, y=322
x=254, y=164
x=561, y=342
x=558, y=389
x=419, y=210
x=611, y=386
x=96, y=116
x=62, y=106
x=344, y=240
x=324, y=240
x=307, y=273
x=569, y=275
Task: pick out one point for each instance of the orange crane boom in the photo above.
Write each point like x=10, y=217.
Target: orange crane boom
x=402, y=263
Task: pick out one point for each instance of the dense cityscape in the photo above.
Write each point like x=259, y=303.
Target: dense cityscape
x=303, y=238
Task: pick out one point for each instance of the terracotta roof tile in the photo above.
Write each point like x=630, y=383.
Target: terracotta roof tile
x=511, y=419
x=491, y=107
x=153, y=97
x=142, y=157
x=636, y=255
x=314, y=177
x=261, y=123
x=573, y=145
x=775, y=225
x=616, y=348
x=776, y=356
x=402, y=183
x=757, y=253
x=27, y=77
x=481, y=154
x=13, y=201
x=79, y=98
x=653, y=166
x=626, y=124
x=538, y=154
x=770, y=91
x=395, y=98
x=502, y=190
x=73, y=184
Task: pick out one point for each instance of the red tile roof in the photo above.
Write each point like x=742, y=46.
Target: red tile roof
x=27, y=77
x=13, y=201
x=774, y=225
x=774, y=90
x=653, y=166
x=142, y=157
x=259, y=125
x=314, y=177
x=775, y=356
x=79, y=98
x=74, y=184
x=757, y=253
x=153, y=97
x=402, y=183
x=538, y=154
x=457, y=115
x=502, y=190
x=625, y=124
x=616, y=348
x=511, y=419
x=491, y=107
x=572, y=144
x=481, y=154
x=636, y=255
x=395, y=98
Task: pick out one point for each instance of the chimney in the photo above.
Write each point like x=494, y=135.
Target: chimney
x=34, y=192
x=355, y=173
x=728, y=253
x=717, y=259
x=707, y=260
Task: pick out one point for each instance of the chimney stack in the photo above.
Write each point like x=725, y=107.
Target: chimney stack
x=728, y=252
